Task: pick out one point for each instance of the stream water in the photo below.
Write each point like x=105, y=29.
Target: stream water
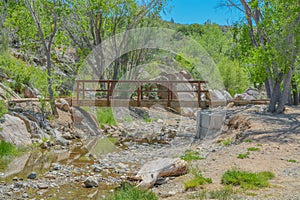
x=72, y=163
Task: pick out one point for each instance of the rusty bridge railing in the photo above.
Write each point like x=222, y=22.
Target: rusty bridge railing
x=107, y=88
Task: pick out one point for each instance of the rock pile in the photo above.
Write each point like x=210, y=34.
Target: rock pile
x=251, y=94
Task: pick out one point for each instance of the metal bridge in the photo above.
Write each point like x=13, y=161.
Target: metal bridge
x=119, y=93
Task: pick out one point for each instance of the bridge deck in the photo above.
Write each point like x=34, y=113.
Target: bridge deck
x=136, y=103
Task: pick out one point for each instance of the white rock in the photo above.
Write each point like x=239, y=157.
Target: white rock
x=14, y=131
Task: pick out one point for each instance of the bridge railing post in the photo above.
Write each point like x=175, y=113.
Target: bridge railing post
x=139, y=94
x=108, y=93
x=83, y=90
x=199, y=93
x=77, y=92
x=169, y=95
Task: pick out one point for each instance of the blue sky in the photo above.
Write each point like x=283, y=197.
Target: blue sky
x=199, y=11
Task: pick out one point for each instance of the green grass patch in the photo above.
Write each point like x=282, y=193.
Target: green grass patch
x=225, y=193
x=190, y=155
x=129, y=192
x=147, y=119
x=247, y=180
x=105, y=116
x=226, y=142
x=3, y=108
x=248, y=141
x=198, y=180
x=243, y=155
x=253, y=149
x=7, y=149
x=292, y=161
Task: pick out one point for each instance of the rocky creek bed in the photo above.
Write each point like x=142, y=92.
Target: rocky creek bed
x=91, y=167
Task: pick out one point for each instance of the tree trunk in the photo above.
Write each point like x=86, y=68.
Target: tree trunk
x=268, y=87
x=285, y=93
x=274, y=97
x=295, y=94
x=50, y=90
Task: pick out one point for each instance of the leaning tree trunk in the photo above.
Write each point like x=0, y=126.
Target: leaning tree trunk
x=50, y=90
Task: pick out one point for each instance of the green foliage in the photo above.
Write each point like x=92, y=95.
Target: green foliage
x=23, y=74
x=190, y=155
x=198, y=180
x=247, y=180
x=226, y=193
x=3, y=108
x=243, y=155
x=269, y=46
x=292, y=161
x=226, y=142
x=248, y=141
x=253, y=149
x=105, y=116
x=235, y=77
x=217, y=41
x=7, y=149
x=129, y=192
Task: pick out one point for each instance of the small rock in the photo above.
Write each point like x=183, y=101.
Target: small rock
x=45, y=145
x=97, y=169
x=43, y=186
x=57, y=167
x=15, y=178
x=32, y=175
x=62, y=141
x=25, y=195
x=90, y=182
x=160, y=121
x=50, y=176
x=122, y=166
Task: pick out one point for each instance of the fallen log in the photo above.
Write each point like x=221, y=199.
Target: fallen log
x=162, y=167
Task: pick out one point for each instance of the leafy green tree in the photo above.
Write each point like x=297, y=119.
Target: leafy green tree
x=3, y=32
x=91, y=22
x=218, y=42
x=37, y=25
x=269, y=45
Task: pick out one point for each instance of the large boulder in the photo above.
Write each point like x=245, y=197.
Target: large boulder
x=85, y=121
x=14, y=131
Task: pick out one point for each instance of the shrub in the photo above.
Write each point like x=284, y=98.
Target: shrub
x=247, y=180
x=292, y=161
x=197, y=180
x=23, y=74
x=226, y=142
x=191, y=155
x=7, y=149
x=253, y=149
x=3, y=108
x=225, y=193
x=105, y=116
x=129, y=192
x=243, y=155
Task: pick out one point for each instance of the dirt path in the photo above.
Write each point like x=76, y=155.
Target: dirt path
x=278, y=140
